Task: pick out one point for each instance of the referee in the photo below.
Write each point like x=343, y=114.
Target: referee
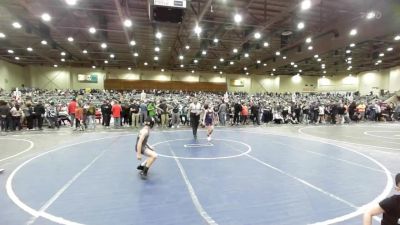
x=195, y=110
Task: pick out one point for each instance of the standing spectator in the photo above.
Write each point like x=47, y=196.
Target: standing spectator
x=39, y=111
x=255, y=111
x=52, y=115
x=16, y=113
x=71, y=110
x=361, y=110
x=116, y=113
x=164, y=113
x=142, y=112
x=237, y=110
x=175, y=115
x=245, y=114
x=4, y=111
x=106, y=113
x=79, y=117
x=321, y=113
x=91, y=116
x=29, y=115
x=222, y=110
x=151, y=110
x=135, y=116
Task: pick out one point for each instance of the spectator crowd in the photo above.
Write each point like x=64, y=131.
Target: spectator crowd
x=32, y=109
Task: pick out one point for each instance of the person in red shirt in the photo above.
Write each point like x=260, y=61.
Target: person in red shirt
x=71, y=110
x=116, y=112
x=245, y=114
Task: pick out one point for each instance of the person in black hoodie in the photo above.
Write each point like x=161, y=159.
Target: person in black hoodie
x=238, y=109
x=4, y=111
x=106, y=113
x=39, y=111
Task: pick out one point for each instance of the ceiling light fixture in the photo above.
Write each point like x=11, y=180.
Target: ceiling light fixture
x=10, y=51
x=159, y=35
x=112, y=56
x=92, y=30
x=235, y=50
x=46, y=17
x=204, y=52
x=216, y=40
x=181, y=57
x=231, y=62
x=187, y=47
x=70, y=39
x=397, y=38
x=157, y=49
x=246, y=55
x=127, y=23
x=55, y=65
x=264, y=64
x=63, y=53
x=132, y=43
x=310, y=47
x=308, y=40
x=2, y=35
x=129, y=68
x=197, y=29
x=257, y=35
x=353, y=32
x=389, y=49
x=305, y=4
x=245, y=68
x=62, y=60
x=352, y=45
x=214, y=67
x=237, y=18
x=381, y=54
x=106, y=61
x=136, y=54
x=17, y=58
x=29, y=49
x=16, y=25
x=84, y=51
x=145, y=63
x=93, y=67
x=274, y=69
x=371, y=15
x=278, y=53
x=284, y=57
x=162, y=70
x=44, y=42
x=258, y=61
x=319, y=59
x=300, y=25
x=103, y=45
x=71, y=2
x=266, y=44
x=182, y=65
x=195, y=61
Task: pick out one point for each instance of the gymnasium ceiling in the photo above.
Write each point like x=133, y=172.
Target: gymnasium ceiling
x=327, y=22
